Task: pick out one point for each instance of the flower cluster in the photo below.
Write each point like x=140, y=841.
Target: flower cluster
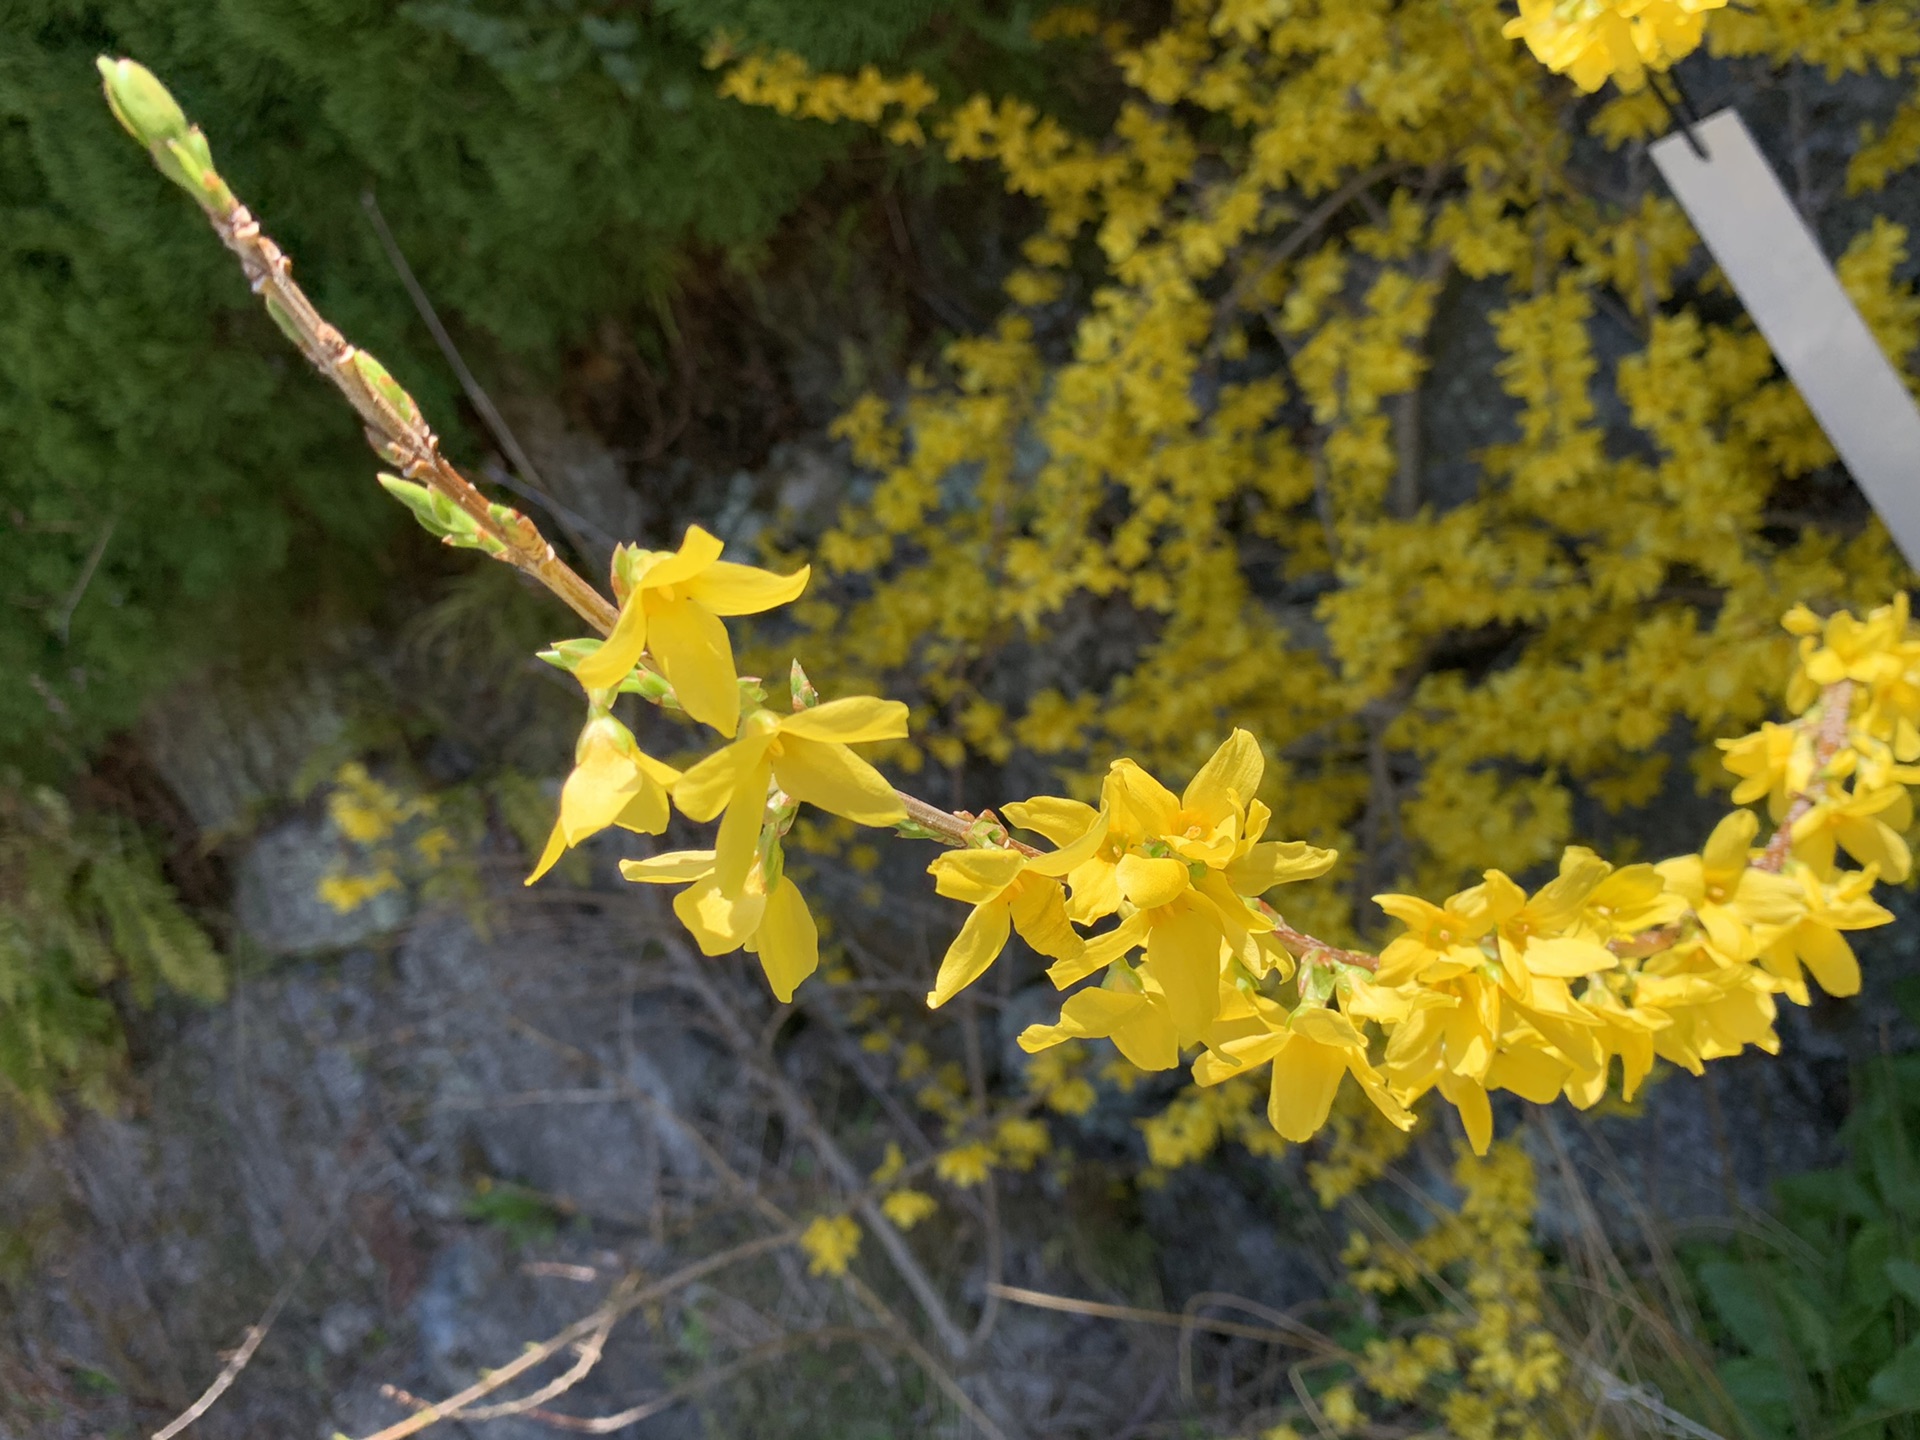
x=1494, y=988
x=737, y=895
x=1595, y=41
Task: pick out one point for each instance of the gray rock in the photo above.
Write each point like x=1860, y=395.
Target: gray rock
x=277, y=901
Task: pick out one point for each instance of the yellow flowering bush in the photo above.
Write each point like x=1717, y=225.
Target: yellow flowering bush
x=1208, y=371
x=1158, y=909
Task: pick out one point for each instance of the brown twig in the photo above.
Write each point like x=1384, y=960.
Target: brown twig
x=1309, y=951
x=1836, y=708
x=1099, y=1310
x=707, y=1379
x=235, y=1363
x=621, y=1304
x=801, y=1114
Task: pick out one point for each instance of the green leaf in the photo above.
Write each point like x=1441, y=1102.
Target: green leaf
x=1904, y=1276
x=1763, y=1393
x=1740, y=1300
x=1898, y=1384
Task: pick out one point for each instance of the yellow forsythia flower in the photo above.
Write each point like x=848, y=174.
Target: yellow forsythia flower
x=1009, y=891
x=964, y=1165
x=674, y=601
x=1312, y=1052
x=772, y=924
x=907, y=1208
x=1594, y=41
x=831, y=1242
x=806, y=754
x=613, y=783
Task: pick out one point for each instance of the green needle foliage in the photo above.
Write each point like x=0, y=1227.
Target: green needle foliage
x=85, y=918
x=167, y=474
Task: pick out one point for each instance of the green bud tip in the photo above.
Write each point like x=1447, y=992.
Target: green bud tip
x=380, y=382
x=141, y=103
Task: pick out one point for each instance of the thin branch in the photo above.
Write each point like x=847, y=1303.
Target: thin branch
x=532, y=484
x=1303, y=1337
x=240, y=1358
x=707, y=1379
x=1836, y=706
x=581, y=1329
x=800, y=1113
x=64, y=619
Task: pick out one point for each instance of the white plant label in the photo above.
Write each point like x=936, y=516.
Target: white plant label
x=1777, y=268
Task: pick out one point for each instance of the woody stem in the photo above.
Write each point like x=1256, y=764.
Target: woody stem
x=1836, y=707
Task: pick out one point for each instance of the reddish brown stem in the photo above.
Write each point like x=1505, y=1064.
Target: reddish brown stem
x=1836, y=707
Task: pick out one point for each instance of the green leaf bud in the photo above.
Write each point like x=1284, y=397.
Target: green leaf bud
x=805, y=697
x=417, y=498
x=277, y=313
x=652, y=686
x=566, y=654
x=141, y=104
x=374, y=376
x=626, y=559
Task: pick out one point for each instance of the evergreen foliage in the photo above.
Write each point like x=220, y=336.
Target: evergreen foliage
x=84, y=914
x=164, y=470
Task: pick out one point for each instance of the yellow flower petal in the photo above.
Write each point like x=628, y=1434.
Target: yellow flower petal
x=856, y=720
x=1831, y=959
x=1148, y=1039
x=974, y=876
x=697, y=658
x=1075, y=853
x=556, y=847
x=976, y=947
x=1101, y=951
x=646, y=813
x=1095, y=885
x=787, y=940
x=1092, y=1014
x=736, y=844
x=1149, y=883
x=719, y=923
x=619, y=652
x=1061, y=821
x=1469, y=1097
x=697, y=553
x=1276, y=862
x=704, y=790
x=1229, y=779
x=1306, y=1076
x=1566, y=956
x=1726, y=849
x=603, y=780
x=672, y=867
x=1040, y=917
x=729, y=589
x=1141, y=805
x=836, y=780
x=1183, y=957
